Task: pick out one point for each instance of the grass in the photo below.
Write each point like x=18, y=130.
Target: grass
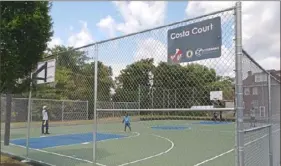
x=10, y=161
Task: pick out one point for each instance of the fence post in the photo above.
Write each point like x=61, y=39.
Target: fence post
x=163, y=104
x=270, y=122
x=139, y=95
x=113, y=105
x=8, y=113
x=31, y=115
x=152, y=98
x=239, y=86
x=175, y=98
x=62, y=111
x=87, y=109
x=95, y=103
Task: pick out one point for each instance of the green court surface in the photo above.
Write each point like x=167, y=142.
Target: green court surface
x=150, y=143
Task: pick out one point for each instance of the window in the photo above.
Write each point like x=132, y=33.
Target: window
x=255, y=91
x=262, y=111
x=260, y=78
x=246, y=91
x=255, y=103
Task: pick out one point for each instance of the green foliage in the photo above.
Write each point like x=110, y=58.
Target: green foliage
x=135, y=75
x=25, y=31
x=174, y=86
x=74, y=78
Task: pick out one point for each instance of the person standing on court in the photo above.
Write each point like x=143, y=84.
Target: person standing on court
x=45, y=120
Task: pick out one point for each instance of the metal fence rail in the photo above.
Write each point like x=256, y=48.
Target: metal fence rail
x=60, y=110
x=98, y=84
x=261, y=100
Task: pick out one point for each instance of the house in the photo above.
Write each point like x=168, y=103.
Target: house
x=255, y=93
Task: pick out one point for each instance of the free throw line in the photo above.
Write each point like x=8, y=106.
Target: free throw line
x=136, y=134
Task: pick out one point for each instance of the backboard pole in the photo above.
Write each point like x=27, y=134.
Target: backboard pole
x=8, y=118
x=28, y=117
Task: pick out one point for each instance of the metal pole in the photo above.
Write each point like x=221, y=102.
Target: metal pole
x=28, y=117
x=139, y=93
x=62, y=111
x=239, y=85
x=8, y=118
x=87, y=110
x=168, y=98
x=95, y=104
x=168, y=101
x=270, y=122
x=175, y=98
x=113, y=108
x=139, y=99
x=163, y=98
x=152, y=98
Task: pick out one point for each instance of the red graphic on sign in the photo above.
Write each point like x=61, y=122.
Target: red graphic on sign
x=176, y=57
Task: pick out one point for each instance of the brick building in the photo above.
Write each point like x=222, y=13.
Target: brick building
x=255, y=93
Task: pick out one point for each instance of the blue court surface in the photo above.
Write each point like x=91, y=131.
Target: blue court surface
x=212, y=122
x=170, y=127
x=62, y=140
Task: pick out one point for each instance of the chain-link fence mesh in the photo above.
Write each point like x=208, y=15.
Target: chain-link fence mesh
x=61, y=110
x=165, y=92
x=275, y=120
x=134, y=79
x=261, y=113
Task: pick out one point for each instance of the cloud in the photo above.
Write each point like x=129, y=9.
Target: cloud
x=260, y=27
x=81, y=38
x=151, y=48
x=54, y=41
x=136, y=15
x=107, y=25
x=224, y=65
x=116, y=68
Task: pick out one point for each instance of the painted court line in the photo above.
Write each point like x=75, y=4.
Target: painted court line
x=132, y=136
x=58, y=154
x=71, y=157
x=220, y=131
x=231, y=150
x=149, y=157
x=39, y=161
x=85, y=143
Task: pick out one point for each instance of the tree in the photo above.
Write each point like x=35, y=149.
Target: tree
x=74, y=78
x=133, y=76
x=171, y=86
x=25, y=31
x=182, y=86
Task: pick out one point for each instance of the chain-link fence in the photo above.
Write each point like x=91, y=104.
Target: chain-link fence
x=98, y=85
x=261, y=96
x=169, y=95
x=60, y=110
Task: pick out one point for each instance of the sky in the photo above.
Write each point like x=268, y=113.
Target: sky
x=81, y=23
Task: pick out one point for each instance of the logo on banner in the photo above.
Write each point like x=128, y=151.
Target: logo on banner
x=177, y=56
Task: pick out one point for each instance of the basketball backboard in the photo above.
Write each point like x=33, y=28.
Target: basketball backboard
x=51, y=70
x=216, y=95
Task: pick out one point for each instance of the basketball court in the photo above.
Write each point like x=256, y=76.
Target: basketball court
x=159, y=143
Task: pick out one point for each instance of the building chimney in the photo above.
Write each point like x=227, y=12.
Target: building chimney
x=249, y=73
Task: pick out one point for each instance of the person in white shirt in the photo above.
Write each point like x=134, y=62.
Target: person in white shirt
x=45, y=120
